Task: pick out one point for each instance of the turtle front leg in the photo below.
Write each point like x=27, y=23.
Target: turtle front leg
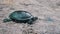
x=30, y=22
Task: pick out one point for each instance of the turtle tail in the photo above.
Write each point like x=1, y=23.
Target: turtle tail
x=7, y=20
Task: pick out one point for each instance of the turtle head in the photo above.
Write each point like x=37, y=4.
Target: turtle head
x=34, y=18
x=7, y=20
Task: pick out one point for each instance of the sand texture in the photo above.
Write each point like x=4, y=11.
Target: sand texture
x=47, y=11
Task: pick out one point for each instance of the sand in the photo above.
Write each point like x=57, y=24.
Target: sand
x=47, y=11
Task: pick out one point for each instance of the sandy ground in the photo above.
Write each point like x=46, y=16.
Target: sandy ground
x=48, y=12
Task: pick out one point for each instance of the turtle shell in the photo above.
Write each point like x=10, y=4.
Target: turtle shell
x=20, y=15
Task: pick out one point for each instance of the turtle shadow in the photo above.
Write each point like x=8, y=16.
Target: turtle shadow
x=20, y=21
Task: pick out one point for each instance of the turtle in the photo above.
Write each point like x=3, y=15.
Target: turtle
x=21, y=17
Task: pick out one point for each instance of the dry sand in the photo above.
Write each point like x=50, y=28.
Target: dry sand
x=48, y=12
